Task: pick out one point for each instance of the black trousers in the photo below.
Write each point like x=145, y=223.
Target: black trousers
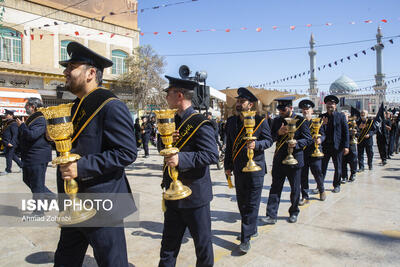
x=34, y=177
x=382, y=147
x=146, y=139
x=279, y=174
x=350, y=159
x=108, y=243
x=370, y=154
x=248, y=193
x=337, y=158
x=315, y=165
x=11, y=156
x=198, y=220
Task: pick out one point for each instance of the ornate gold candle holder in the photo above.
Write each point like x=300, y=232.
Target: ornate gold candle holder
x=166, y=127
x=316, y=125
x=353, y=130
x=60, y=130
x=290, y=160
x=249, y=124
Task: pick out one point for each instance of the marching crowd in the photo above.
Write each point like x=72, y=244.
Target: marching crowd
x=107, y=139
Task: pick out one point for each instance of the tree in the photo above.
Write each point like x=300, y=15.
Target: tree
x=144, y=79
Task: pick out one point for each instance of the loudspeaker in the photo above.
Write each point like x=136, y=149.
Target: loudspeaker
x=201, y=97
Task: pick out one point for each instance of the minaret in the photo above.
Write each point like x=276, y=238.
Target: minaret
x=380, y=86
x=313, y=90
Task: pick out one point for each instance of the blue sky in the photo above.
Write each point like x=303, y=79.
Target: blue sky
x=257, y=68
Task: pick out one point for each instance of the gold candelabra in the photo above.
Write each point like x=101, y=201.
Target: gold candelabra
x=290, y=160
x=166, y=127
x=353, y=130
x=60, y=130
x=249, y=124
x=316, y=125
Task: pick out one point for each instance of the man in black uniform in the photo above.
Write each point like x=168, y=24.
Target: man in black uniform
x=35, y=149
x=351, y=157
x=383, y=137
x=336, y=142
x=138, y=133
x=197, y=150
x=209, y=117
x=146, y=129
x=310, y=162
x=248, y=184
x=10, y=141
x=365, y=140
x=280, y=171
x=104, y=138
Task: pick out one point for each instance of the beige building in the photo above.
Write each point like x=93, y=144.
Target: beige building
x=35, y=34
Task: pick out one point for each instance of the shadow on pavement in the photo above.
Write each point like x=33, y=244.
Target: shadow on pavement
x=373, y=236
x=225, y=216
x=154, y=230
x=44, y=257
x=10, y=211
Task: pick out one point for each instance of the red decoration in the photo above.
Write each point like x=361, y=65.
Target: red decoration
x=308, y=25
x=41, y=36
x=228, y=30
x=141, y=33
x=292, y=27
x=169, y=32
x=368, y=21
x=155, y=33
x=258, y=29
x=112, y=35
x=384, y=20
x=76, y=33
x=32, y=37
x=274, y=27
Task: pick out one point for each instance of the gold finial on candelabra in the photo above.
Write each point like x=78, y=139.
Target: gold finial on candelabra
x=290, y=160
x=249, y=124
x=353, y=130
x=316, y=125
x=166, y=127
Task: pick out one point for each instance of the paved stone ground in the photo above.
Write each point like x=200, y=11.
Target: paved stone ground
x=357, y=227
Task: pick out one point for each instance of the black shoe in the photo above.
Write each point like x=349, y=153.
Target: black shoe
x=245, y=247
x=344, y=180
x=371, y=168
x=268, y=220
x=336, y=189
x=315, y=191
x=303, y=201
x=292, y=218
x=352, y=178
x=252, y=236
x=146, y=156
x=360, y=170
x=384, y=163
x=389, y=157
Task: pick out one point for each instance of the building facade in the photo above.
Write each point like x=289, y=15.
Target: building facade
x=34, y=36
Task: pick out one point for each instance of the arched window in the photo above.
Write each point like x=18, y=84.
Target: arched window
x=63, y=50
x=10, y=45
x=118, y=58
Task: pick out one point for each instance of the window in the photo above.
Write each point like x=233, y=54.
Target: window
x=118, y=59
x=10, y=45
x=63, y=50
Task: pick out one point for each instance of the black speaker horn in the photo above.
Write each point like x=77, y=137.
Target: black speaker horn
x=184, y=71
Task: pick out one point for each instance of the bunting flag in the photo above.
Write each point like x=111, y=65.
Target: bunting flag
x=227, y=30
